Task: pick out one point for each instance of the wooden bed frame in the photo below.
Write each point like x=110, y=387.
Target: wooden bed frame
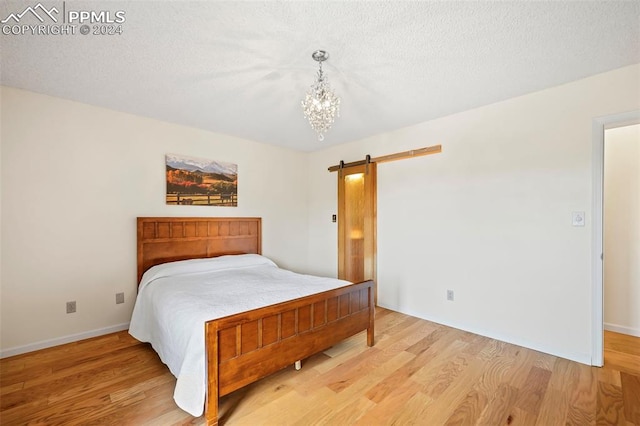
x=248, y=346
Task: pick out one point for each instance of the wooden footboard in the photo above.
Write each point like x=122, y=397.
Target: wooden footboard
x=246, y=347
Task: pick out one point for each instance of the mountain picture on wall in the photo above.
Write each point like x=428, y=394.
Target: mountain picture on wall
x=201, y=182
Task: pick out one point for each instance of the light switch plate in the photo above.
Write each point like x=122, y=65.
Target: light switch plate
x=577, y=218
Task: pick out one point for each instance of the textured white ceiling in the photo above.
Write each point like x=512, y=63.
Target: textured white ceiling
x=242, y=68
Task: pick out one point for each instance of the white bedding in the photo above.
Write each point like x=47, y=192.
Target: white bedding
x=176, y=299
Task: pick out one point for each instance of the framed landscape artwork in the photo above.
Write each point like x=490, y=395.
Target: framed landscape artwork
x=201, y=182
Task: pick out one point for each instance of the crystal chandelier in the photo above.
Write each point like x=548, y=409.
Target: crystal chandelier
x=321, y=105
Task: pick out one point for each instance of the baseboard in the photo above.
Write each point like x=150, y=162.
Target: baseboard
x=622, y=329
x=582, y=358
x=62, y=340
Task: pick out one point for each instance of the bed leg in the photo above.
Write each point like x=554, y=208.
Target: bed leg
x=371, y=330
x=372, y=317
x=298, y=365
x=211, y=401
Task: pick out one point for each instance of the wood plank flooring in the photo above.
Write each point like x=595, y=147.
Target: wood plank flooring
x=418, y=373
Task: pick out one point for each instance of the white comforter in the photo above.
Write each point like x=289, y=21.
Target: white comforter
x=176, y=299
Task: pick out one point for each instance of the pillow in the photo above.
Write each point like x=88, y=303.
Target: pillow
x=210, y=264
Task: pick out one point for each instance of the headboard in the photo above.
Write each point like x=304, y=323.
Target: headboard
x=167, y=239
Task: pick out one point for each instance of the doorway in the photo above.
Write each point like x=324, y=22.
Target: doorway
x=357, y=223
x=597, y=269
x=621, y=228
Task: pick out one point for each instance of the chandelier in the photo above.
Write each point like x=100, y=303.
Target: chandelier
x=321, y=105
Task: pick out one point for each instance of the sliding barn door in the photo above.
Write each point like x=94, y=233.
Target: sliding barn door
x=357, y=223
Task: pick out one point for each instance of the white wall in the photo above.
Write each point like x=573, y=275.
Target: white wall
x=75, y=177
x=489, y=217
x=622, y=229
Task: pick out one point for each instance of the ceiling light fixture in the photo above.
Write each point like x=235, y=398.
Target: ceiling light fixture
x=321, y=106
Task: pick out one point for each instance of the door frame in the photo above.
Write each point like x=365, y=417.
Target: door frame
x=600, y=124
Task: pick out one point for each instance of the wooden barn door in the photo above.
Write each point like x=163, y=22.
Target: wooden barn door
x=357, y=222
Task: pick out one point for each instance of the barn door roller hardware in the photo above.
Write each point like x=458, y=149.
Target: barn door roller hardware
x=435, y=149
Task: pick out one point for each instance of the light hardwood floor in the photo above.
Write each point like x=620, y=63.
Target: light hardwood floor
x=418, y=372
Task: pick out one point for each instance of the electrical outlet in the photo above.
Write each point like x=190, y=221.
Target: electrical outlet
x=450, y=295
x=71, y=307
x=119, y=298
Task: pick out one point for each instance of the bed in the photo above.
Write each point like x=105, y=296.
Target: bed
x=240, y=348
